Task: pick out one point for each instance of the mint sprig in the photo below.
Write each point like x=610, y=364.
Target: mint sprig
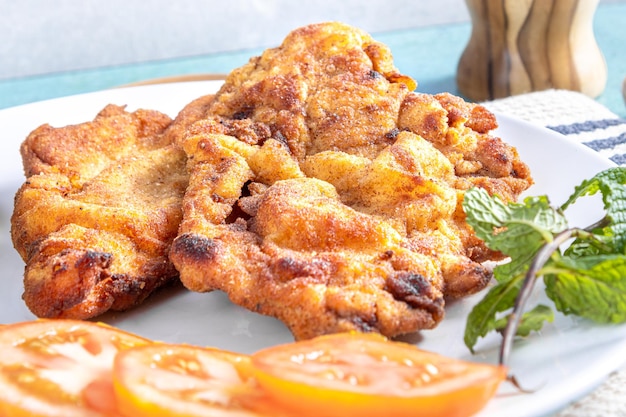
x=588, y=279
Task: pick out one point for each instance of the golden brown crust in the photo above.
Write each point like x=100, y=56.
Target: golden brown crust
x=96, y=216
x=318, y=189
x=325, y=193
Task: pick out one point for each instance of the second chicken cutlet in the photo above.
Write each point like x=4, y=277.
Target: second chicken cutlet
x=326, y=193
x=99, y=209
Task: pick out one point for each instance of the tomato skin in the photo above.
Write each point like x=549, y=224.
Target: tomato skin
x=59, y=367
x=184, y=381
x=344, y=374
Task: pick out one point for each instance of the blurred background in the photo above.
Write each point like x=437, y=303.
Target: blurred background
x=61, y=47
x=42, y=36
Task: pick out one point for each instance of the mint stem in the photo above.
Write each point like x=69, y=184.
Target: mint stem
x=540, y=259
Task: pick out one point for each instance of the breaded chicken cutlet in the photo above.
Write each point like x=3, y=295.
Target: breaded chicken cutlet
x=325, y=193
x=98, y=211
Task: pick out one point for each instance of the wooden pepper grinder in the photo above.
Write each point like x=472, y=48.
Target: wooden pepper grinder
x=519, y=46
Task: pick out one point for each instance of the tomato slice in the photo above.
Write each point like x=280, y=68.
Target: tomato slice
x=183, y=380
x=59, y=367
x=367, y=375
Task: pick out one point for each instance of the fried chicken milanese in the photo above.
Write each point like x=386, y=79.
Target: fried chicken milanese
x=95, y=219
x=325, y=193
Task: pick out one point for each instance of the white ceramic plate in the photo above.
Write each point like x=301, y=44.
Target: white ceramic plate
x=565, y=361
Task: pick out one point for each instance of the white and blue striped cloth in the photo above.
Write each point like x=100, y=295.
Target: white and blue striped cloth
x=606, y=136
x=572, y=114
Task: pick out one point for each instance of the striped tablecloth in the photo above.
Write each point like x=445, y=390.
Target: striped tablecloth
x=585, y=121
x=572, y=114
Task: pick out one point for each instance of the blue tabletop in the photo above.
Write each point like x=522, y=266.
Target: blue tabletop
x=428, y=54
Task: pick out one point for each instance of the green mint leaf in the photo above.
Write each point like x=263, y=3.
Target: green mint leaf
x=517, y=230
x=593, y=287
x=529, y=224
x=532, y=321
x=484, y=316
x=597, y=244
x=588, y=279
x=610, y=183
x=484, y=213
x=508, y=228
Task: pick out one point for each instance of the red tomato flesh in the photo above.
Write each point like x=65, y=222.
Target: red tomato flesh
x=59, y=368
x=367, y=375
